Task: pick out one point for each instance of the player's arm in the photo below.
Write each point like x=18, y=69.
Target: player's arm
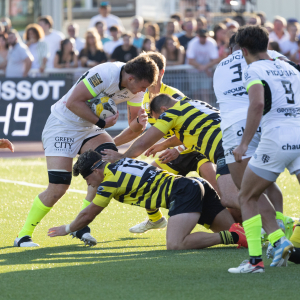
x=150, y=137
x=84, y=218
x=4, y=143
x=255, y=112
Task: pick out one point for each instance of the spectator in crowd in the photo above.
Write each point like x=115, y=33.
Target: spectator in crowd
x=263, y=17
x=73, y=31
x=92, y=54
x=178, y=18
x=126, y=51
x=110, y=46
x=202, y=53
x=105, y=16
x=2, y=28
x=101, y=28
x=137, y=25
x=66, y=57
x=240, y=19
x=201, y=23
x=254, y=20
x=203, y=9
x=279, y=34
x=290, y=46
x=52, y=38
x=3, y=51
x=273, y=46
x=6, y=22
x=33, y=37
x=148, y=44
x=189, y=13
x=221, y=38
x=19, y=58
x=295, y=57
x=153, y=30
x=189, y=26
x=232, y=26
x=171, y=28
x=173, y=51
x=269, y=26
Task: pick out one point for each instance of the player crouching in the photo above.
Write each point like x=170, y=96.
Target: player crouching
x=190, y=201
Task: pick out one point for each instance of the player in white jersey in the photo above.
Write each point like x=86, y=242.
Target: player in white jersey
x=234, y=102
x=73, y=128
x=274, y=95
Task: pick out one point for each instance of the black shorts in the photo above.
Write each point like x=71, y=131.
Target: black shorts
x=222, y=167
x=193, y=194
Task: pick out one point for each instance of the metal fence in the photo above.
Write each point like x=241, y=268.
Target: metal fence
x=194, y=84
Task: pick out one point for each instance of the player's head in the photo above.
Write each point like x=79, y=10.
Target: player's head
x=89, y=165
x=160, y=104
x=160, y=61
x=142, y=72
x=252, y=40
x=233, y=46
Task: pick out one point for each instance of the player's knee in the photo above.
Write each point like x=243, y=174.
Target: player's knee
x=60, y=182
x=174, y=245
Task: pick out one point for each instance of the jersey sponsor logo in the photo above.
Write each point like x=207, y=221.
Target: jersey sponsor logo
x=230, y=151
x=221, y=162
x=240, y=89
x=63, y=143
x=265, y=158
x=95, y=80
x=290, y=147
x=231, y=59
x=280, y=73
x=289, y=112
x=247, y=76
x=240, y=132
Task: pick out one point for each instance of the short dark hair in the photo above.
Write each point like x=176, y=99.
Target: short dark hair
x=158, y=58
x=158, y=101
x=254, y=38
x=114, y=28
x=85, y=161
x=46, y=19
x=232, y=41
x=143, y=68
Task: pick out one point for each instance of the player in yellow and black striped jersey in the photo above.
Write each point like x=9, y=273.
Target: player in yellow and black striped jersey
x=189, y=200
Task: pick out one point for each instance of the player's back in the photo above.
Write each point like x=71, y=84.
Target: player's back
x=281, y=83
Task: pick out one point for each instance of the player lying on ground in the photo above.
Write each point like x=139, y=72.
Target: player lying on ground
x=274, y=94
x=6, y=144
x=73, y=127
x=190, y=201
x=197, y=125
x=234, y=102
x=177, y=160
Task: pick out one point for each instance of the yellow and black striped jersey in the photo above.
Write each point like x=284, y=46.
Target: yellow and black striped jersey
x=166, y=89
x=134, y=182
x=196, y=124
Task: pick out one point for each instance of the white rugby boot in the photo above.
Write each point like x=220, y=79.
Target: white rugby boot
x=148, y=225
x=25, y=241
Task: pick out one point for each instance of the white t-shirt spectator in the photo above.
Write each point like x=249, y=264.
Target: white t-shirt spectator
x=274, y=38
x=15, y=60
x=39, y=51
x=53, y=41
x=110, y=46
x=203, y=54
x=79, y=44
x=288, y=46
x=110, y=20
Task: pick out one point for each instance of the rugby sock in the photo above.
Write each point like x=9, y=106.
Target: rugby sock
x=275, y=236
x=228, y=238
x=36, y=214
x=85, y=204
x=154, y=216
x=279, y=216
x=295, y=238
x=252, y=229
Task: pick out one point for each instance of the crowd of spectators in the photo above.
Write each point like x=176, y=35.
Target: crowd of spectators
x=184, y=39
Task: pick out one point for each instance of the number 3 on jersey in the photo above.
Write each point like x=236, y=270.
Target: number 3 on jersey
x=239, y=72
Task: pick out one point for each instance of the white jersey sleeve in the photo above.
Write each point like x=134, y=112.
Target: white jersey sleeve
x=137, y=100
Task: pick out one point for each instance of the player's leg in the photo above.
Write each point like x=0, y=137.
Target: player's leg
x=60, y=175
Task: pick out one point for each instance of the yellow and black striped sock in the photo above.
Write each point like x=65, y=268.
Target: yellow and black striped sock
x=154, y=215
x=228, y=238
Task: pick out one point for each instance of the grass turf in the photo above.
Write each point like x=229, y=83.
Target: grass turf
x=122, y=265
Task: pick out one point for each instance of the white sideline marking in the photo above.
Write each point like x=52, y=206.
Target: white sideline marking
x=37, y=185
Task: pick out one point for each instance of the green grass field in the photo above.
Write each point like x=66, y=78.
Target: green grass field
x=122, y=265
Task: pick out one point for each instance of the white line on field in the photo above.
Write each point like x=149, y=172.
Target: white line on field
x=37, y=185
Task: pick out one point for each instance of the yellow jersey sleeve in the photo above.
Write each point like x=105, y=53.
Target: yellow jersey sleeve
x=165, y=122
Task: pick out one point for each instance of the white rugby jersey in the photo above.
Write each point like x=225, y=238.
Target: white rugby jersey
x=102, y=81
x=228, y=86
x=281, y=83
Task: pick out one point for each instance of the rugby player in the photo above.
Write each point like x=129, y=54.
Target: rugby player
x=234, y=102
x=190, y=201
x=6, y=144
x=73, y=128
x=176, y=160
x=273, y=86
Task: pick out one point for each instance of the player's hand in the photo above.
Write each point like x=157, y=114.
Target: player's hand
x=4, y=143
x=57, y=231
x=143, y=117
x=202, y=68
x=239, y=152
x=168, y=155
x=111, y=155
x=111, y=121
x=154, y=149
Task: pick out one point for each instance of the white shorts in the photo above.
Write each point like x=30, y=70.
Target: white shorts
x=279, y=148
x=61, y=139
x=232, y=137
